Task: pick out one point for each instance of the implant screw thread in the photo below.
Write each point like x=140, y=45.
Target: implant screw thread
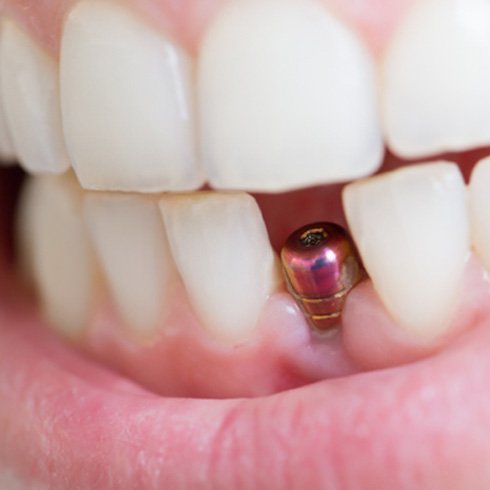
x=321, y=265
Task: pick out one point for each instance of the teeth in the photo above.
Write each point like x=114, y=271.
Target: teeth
x=435, y=79
x=30, y=93
x=60, y=255
x=411, y=227
x=132, y=248
x=7, y=152
x=479, y=210
x=126, y=102
x=287, y=98
x=222, y=251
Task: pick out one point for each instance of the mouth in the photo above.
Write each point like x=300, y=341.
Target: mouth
x=167, y=150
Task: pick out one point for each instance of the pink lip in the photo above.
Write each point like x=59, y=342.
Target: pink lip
x=69, y=423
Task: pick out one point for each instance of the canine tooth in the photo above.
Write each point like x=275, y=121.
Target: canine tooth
x=479, y=198
x=220, y=246
x=63, y=263
x=411, y=228
x=30, y=94
x=435, y=79
x=287, y=98
x=126, y=102
x=129, y=238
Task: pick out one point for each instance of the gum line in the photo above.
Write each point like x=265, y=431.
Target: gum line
x=187, y=20
x=184, y=361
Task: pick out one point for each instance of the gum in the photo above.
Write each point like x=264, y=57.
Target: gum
x=186, y=21
x=183, y=359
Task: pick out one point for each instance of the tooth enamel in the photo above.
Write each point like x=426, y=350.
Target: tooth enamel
x=30, y=94
x=287, y=98
x=479, y=197
x=411, y=228
x=63, y=264
x=220, y=246
x=435, y=79
x=7, y=152
x=126, y=102
x=132, y=248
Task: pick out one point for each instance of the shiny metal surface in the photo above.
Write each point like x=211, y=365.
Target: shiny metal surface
x=321, y=266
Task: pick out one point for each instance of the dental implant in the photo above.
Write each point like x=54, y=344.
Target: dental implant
x=321, y=266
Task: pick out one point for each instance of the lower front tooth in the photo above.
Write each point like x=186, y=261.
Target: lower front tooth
x=411, y=228
x=222, y=251
x=130, y=241
x=60, y=254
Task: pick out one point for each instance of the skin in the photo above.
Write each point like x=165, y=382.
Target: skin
x=68, y=422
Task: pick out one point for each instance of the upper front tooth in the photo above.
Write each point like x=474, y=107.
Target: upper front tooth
x=222, y=251
x=411, y=227
x=435, y=79
x=30, y=94
x=126, y=102
x=132, y=248
x=287, y=98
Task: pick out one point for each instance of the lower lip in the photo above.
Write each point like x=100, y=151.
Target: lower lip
x=68, y=422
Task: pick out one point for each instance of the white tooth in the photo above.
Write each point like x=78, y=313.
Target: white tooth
x=63, y=264
x=132, y=248
x=479, y=197
x=127, y=102
x=7, y=152
x=435, y=79
x=287, y=98
x=222, y=251
x=411, y=227
x=30, y=93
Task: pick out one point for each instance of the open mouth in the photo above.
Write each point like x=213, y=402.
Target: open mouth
x=147, y=337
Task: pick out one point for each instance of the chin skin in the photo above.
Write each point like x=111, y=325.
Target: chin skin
x=68, y=422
